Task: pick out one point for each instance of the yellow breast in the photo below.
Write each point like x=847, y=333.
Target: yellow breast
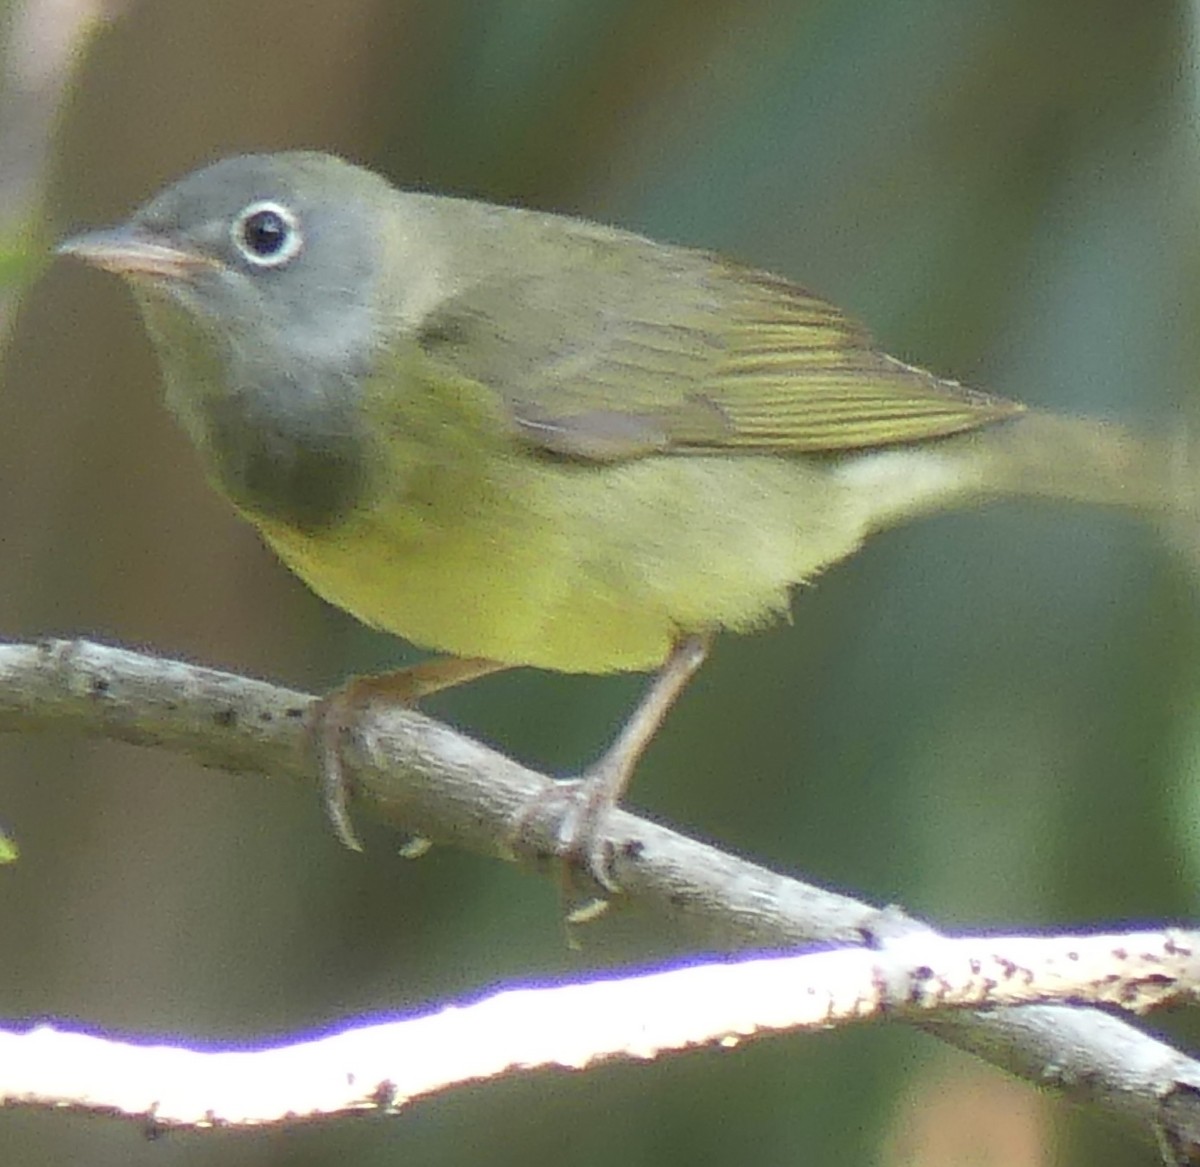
x=573, y=567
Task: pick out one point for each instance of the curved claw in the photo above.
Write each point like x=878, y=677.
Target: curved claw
x=329, y=718
x=335, y=715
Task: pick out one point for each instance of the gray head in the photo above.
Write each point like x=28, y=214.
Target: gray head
x=259, y=278
x=285, y=246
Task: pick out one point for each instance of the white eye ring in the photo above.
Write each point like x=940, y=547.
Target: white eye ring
x=267, y=234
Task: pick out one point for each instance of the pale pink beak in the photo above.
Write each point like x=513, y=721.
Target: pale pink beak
x=126, y=253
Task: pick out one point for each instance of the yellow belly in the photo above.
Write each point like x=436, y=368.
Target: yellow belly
x=580, y=568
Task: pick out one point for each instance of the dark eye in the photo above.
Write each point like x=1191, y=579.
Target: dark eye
x=267, y=234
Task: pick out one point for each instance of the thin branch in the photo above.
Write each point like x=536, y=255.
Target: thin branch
x=425, y=778
x=414, y=773
x=385, y=1065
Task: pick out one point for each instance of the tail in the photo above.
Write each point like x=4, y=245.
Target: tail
x=1043, y=456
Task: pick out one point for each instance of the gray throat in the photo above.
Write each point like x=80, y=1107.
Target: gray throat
x=283, y=440
x=288, y=452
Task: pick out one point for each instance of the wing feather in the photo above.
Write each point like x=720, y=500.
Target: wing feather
x=607, y=346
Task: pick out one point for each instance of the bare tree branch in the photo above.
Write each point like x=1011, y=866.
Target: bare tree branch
x=425, y=778
x=385, y=1065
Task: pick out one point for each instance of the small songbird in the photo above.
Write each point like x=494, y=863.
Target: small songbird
x=524, y=439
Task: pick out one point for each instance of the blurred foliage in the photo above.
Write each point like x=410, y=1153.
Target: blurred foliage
x=987, y=718
x=23, y=257
x=16, y=264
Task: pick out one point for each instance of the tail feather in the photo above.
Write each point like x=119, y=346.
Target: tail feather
x=1040, y=456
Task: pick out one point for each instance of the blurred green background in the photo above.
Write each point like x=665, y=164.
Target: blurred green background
x=987, y=718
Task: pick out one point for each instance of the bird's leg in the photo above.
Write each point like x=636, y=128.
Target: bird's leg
x=602, y=784
x=335, y=713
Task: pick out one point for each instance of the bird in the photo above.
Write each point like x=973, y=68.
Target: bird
x=517, y=438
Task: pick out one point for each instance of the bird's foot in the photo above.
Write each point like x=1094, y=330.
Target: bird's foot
x=573, y=811
x=337, y=714
x=574, y=814
x=579, y=805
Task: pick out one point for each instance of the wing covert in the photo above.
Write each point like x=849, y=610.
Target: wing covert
x=608, y=346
